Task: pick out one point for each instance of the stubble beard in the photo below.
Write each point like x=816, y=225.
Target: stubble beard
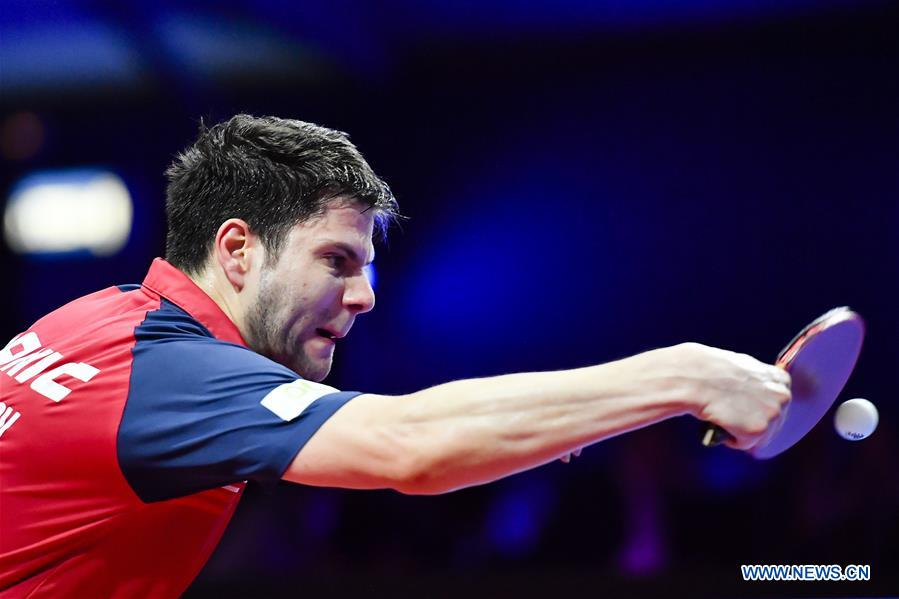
x=266, y=336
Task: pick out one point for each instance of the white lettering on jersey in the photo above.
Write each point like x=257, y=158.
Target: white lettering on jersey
x=39, y=367
x=37, y=360
x=46, y=386
x=19, y=362
x=27, y=342
x=8, y=416
x=288, y=401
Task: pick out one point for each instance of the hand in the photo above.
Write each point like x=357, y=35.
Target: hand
x=745, y=397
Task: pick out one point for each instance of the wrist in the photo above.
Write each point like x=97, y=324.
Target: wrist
x=666, y=374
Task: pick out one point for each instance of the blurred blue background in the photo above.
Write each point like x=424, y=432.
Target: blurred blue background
x=584, y=181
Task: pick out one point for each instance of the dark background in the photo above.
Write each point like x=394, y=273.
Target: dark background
x=584, y=181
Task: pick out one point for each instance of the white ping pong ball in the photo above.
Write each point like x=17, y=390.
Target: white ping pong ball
x=855, y=419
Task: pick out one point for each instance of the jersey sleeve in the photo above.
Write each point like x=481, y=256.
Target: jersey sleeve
x=203, y=413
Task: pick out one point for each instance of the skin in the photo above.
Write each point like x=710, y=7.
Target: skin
x=465, y=432
x=281, y=304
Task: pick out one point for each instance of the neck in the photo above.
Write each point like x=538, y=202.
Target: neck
x=223, y=294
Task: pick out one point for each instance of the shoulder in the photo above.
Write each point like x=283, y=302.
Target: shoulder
x=169, y=340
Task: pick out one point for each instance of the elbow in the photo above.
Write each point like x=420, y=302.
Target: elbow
x=426, y=467
x=410, y=452
x=416, y=475
x=421, y=456
x=422, y=487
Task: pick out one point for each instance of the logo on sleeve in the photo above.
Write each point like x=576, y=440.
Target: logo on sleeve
x=289, y=400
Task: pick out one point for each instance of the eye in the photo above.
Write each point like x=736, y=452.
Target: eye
x=336, y=261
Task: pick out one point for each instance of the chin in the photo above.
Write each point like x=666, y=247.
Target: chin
x=317, y=377
x=312, y=372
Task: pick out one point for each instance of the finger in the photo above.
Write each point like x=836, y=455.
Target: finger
x=740, y=444
x=732, y=443
x=783, y=377
x=780, y=390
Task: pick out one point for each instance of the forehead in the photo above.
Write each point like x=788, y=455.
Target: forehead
x=344, y=222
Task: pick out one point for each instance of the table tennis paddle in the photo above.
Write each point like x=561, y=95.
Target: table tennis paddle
x=819, y=359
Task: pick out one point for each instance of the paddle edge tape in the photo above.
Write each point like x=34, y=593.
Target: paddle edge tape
x=826, y=320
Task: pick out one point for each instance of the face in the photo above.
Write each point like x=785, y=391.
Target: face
x=308, y=299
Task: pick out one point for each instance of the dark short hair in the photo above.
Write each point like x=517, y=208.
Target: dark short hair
x=273, y=173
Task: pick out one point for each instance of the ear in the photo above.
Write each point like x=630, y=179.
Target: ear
x=237, y=250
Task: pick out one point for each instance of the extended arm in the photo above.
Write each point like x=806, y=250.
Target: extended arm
x=474, y=431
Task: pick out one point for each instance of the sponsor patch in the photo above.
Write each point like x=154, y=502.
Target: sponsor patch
x=289, y=400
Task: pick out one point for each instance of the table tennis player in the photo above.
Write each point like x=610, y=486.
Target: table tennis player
x=135, y=416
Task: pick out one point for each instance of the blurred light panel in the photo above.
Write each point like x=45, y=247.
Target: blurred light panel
x=59, y=212
x=206, y=46
x=67, y=54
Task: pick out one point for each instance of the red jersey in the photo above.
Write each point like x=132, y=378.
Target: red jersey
x=130, y=420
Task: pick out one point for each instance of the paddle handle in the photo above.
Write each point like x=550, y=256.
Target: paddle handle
x=715, y=435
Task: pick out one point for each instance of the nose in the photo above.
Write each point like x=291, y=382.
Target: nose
x=359, y=296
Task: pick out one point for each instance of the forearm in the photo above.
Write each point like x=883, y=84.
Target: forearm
x=474, y=431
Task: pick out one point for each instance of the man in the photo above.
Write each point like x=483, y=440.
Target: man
x=135, y=416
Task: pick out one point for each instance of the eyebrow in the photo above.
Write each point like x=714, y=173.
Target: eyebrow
x=349, y=250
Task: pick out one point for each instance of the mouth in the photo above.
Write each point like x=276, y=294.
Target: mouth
x=329, y=335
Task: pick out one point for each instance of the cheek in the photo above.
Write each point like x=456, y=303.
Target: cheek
x=292, y=307
x=327, y=294
x=303, y=308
